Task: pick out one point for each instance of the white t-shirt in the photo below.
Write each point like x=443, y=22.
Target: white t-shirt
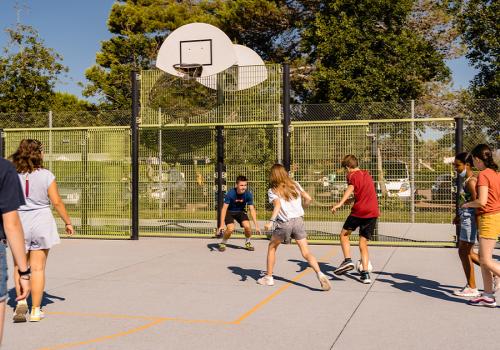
x=36, y=191
x=289, y=209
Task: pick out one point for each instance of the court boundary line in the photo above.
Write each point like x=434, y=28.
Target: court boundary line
x=159, y=320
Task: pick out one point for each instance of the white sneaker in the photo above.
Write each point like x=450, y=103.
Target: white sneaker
x=467, y=292
x=266, y=280
x=325, y=283
x=20, y=311
x=36, y=314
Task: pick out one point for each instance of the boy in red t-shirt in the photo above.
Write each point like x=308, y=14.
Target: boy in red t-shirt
x=364, y=214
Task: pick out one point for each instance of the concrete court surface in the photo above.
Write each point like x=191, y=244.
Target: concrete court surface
x=166, y=293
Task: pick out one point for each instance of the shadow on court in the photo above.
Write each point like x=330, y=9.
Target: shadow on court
x=411, y=283
x=326, y=268
x=46, y=299
x=254, y=274
x=214, y=246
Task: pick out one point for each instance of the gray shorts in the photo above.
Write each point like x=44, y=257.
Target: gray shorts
x=294, y=228
x=40, y=229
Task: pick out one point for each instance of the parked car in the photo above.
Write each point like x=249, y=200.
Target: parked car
x=397, y=179
x=442, y=189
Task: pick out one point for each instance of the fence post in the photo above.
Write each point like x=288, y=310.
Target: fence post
x=160, y=164
x=374, y=159
x=2, y=145
x=134, y=126
x=286, y=117
x=86, y=183
x=50, y=140
x=412, y=162
x=220, y=172
x=459, y=146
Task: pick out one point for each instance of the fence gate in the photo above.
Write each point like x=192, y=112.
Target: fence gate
x=177, y=174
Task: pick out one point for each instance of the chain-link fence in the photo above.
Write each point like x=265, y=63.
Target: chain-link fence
x=92, y=168
x=408, y=147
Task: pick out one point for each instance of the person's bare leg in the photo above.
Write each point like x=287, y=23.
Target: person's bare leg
x=38, y=260
x=311, y=259
x=485, y=252
x=271, y=255
x=247, y=228
x=344, y=242
x=304, y=250
x=228, y=232
x=464, y=252
x=363, y=250
x=474, y=257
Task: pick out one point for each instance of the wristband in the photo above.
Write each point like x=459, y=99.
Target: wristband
x=24, y=273
x=69, y=224
x=272, y=220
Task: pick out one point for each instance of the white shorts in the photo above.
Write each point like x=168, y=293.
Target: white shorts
x=40, y=229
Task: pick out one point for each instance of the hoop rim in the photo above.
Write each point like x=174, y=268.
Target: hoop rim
x=190, y=70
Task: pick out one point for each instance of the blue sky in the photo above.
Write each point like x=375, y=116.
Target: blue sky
x=75, y=28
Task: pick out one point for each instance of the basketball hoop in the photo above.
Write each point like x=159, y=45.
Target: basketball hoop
x=190, y=71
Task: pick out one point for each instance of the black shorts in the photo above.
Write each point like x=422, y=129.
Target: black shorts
x=239, y=216
x=366, y=225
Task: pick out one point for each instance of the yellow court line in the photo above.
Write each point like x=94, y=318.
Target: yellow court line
x=101, y=315
x=279, y=291
x=159, y=320
x=155, y=321
x=133, y=317
x=106, y=337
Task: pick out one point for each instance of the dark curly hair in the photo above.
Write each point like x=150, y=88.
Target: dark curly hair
x=484, y=153
x=28, y=156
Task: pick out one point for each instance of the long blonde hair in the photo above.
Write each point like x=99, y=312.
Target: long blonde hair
x=281, y=184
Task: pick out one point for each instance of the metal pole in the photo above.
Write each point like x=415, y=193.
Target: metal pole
x=220, y=172
x=2, y=148
x=286, y=117
x=50, y=140
x=160, y=167
x=412, y=162
x=459, y=146
x=86, y=183
x=134, y=126
x=374, y=168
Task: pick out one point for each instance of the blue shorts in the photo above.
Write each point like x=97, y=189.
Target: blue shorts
x=3, y=273
x=468, y=225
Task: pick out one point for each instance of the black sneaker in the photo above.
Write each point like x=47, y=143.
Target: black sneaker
x=347, y=265
x=365, y=277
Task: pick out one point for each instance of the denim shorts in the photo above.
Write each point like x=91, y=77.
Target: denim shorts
x=3, y=273
x=468, y=226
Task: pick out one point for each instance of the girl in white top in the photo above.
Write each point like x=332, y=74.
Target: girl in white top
x=287, y=198
x=40, y=229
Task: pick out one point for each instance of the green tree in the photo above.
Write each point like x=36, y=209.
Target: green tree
x=62, y=101
x=339, y=50
x=438, y=22
x=365, y=51
x=139, y=28
x=28, y=72
x=480, y=26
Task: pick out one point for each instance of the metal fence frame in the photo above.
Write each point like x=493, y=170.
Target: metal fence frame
x=270, y=134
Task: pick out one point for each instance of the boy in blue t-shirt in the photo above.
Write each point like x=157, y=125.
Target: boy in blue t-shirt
x=235, y=203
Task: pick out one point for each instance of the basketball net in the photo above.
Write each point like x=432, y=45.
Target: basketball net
x=189, y=71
